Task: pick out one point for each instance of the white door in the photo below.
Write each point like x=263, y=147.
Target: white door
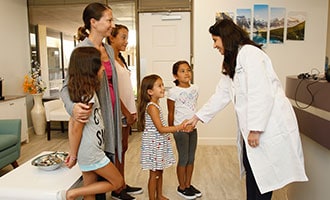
x=164, y=39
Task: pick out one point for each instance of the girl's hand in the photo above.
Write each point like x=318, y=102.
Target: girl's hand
x=253, y=138
x=182, y=126
x=81, y=112
x=70, y=161
x=135, y=117
x=186, y=128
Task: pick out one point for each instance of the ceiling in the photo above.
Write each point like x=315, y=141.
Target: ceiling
x=66, y=15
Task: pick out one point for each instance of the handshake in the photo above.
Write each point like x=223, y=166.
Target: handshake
x=188, y=125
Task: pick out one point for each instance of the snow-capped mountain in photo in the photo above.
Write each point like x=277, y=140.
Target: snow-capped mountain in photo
x=277, y=23
x=296, y=19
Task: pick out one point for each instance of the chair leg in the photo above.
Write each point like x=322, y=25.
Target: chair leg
x=48, y=130
x=14, y=164
x=62, y=126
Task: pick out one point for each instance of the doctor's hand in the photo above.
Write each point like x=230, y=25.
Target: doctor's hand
x=253, y=138
x=192, y=122
x=186, y=128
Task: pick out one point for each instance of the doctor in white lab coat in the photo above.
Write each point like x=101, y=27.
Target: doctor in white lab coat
x=268, y=138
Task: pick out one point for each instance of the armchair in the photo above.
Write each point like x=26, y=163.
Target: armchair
x=55, y=111
x=10, y=142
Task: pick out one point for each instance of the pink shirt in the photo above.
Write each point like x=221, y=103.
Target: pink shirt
x=108, y=70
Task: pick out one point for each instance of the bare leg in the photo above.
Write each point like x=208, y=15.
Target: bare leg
x=89, y=178
x=152, y=184
x=163, y=198
x=91, y=186
x=181, y=174
x=160, y=186
x=121, y=165
x=189, y=172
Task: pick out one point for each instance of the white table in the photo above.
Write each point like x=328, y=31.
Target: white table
x=28, y=182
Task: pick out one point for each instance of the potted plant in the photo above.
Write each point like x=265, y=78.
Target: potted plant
x=34, y=85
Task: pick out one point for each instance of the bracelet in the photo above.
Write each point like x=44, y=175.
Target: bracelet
x=73, y=158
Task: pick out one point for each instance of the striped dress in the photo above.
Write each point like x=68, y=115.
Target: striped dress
x=156, y=148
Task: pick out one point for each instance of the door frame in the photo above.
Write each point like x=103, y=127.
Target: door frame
x=161, y=10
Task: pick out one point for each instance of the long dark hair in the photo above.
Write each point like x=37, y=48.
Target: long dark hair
x=232, y=37
x=144, y=98
x=85, y=62
x=175, y=69
x=92, y=11
x=114, y=33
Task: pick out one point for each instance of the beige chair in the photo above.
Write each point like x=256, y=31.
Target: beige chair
x=55, y=111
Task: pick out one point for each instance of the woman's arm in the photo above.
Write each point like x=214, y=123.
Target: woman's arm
x=217, y=101
x=79, y=111
x=129, y=116
x=65, y=96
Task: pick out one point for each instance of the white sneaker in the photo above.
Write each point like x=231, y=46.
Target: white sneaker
x=61, y=195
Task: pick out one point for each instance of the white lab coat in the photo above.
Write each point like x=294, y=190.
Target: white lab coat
x=261, y=105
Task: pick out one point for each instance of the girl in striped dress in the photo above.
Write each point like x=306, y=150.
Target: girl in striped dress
x=156, y=147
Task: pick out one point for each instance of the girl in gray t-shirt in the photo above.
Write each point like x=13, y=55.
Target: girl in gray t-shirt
x=86, y=139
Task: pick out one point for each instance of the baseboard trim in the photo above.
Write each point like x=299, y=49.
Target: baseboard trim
x=216, y=141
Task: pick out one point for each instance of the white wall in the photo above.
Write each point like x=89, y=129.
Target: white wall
x=14, y=40
x=290, y=58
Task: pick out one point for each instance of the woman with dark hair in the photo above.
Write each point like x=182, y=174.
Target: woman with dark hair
x=182, y=104
x=268, y=137
x=118, y=41
x=98, y=23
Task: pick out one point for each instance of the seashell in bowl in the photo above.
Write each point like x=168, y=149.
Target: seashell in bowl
x=50, y=161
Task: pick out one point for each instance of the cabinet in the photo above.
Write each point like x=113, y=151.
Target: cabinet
x=313, y=120
x=314, y=124
x=14, y=107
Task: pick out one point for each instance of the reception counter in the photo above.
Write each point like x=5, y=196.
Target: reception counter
x=311, y=101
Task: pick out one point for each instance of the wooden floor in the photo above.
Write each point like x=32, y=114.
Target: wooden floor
x=216, y=171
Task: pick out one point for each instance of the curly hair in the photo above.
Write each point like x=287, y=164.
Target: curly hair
x=85, y=62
